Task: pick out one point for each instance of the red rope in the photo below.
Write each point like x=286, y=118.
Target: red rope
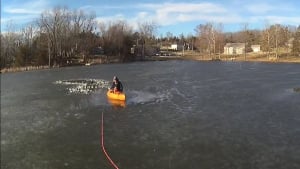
x=102, y=144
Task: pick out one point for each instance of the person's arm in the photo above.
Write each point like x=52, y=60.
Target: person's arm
x=121, y=87
x=112, y=86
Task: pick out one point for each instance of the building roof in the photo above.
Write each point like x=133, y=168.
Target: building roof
x=236, y=45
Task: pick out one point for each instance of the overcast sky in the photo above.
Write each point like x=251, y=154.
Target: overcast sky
x=171, y=15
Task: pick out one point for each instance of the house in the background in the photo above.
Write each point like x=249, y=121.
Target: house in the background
x=234, y=48
x=255, y=48
x=176, y=47
x=171, y=47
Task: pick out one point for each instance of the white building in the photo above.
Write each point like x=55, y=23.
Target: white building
x=255, y=48
x=234, y=48
x=176, y=47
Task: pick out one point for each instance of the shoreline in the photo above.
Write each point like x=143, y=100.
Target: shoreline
x=271, y=60
x=259, y=58
x=23, y=69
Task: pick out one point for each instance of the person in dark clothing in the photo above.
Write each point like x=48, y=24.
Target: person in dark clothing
x=116, y=85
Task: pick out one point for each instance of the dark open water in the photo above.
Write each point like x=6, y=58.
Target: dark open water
x=178, y=115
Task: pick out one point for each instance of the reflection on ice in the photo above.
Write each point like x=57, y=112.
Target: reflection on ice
x=83, y=86
x=117, y=103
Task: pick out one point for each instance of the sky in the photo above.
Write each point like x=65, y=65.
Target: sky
x=177, y=17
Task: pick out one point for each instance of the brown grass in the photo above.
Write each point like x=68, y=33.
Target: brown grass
x=250, y=57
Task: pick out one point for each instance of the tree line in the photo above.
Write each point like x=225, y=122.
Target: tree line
x=273, y=39
x=61, y=35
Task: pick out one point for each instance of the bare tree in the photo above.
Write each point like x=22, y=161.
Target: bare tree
x=66, y=31
x=245, y=37
x=275, y=37
x=169, y=36
x=191, y=41
x=10, y=41
x=282, y=35
x=87, y=38
x=209, y=36
x=219, y=38
x=147, y=29
x=52, y=23
x=266, y=39
x=28, y=35
x=296, y=43
x=203, y=42
x=115, y=38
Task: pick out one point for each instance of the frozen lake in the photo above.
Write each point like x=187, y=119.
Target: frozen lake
x=178, y=115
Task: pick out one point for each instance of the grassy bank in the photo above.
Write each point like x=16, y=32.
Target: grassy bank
x=21, y=69
x=250, y=57
x=188, y=55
